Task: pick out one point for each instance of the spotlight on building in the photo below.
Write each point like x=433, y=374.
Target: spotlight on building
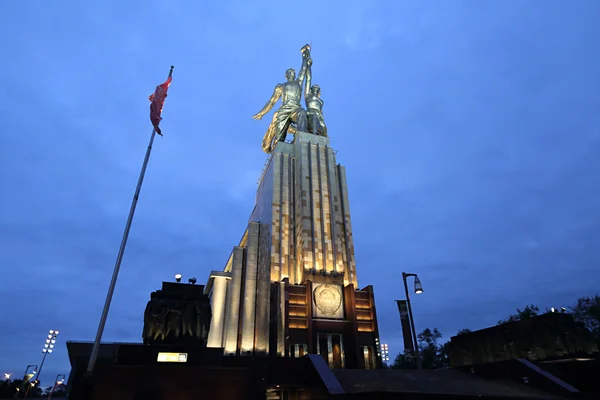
x=7, y=376
x=552, y=309
x=562, y=309
x=177, y=278
x=192, y=280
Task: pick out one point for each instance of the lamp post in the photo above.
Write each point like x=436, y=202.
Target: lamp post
x=418, y=290
x=27, y=376
x=177, y=278
x=47, y=349
x=60, y=379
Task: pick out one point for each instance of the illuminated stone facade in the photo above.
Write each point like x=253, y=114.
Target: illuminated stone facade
x=299, y=235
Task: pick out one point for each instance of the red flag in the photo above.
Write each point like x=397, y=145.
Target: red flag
x=158, y=101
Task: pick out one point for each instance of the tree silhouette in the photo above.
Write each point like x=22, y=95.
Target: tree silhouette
x=587, y=311
x=433, y=355
x=527, y=312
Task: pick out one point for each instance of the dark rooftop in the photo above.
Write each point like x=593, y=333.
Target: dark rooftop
x=449, y=382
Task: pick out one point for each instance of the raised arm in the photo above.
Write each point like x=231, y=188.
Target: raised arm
x=308, y=78
x=276, y=95
x=302, y=72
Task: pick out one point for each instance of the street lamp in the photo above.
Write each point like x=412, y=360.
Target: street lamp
x=27, y=376
x=177, y=278
x=60, y=379
x=418, y=290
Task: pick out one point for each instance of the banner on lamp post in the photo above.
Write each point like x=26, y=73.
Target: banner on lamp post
x=409, y=348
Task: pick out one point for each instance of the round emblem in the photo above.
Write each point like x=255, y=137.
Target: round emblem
x=328, y=299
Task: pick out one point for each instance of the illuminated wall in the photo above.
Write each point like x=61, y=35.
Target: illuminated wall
x=310, y=214
x=300, y=229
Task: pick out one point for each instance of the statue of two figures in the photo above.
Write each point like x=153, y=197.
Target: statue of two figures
x=291, y=117
x=174, y=320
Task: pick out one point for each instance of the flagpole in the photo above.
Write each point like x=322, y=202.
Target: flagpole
x=113, y=281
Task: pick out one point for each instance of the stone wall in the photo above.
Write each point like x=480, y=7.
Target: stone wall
x=545, y=337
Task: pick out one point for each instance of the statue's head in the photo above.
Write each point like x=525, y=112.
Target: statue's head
x=290, y=74
x=316, y=90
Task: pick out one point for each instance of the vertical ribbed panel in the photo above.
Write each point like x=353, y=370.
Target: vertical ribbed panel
x=249, y=301
x=350, y=275
x=286, y=226
x=316, y=207
x=233, y=309
x=263, y=284
x=281, y=322
x=275, y=203
x=217, y=305
x=335, y=216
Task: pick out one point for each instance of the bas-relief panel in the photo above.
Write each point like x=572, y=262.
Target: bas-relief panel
x=328, y=301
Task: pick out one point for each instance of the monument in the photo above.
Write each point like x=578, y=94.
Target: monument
x=178, y=314
x=289, y=287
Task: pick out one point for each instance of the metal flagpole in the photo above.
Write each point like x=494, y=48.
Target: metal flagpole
x=113, y=281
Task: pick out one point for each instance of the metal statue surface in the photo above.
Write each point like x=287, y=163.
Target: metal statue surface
x=314, y=104
x=290, y=111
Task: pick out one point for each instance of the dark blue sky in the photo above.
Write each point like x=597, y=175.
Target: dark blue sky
x=470, y=131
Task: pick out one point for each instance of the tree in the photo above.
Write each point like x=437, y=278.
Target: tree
x=464, y=331
x=403, y=361
x=60, y=391
x=587, y=311
x=527, y=312
x=433, y=355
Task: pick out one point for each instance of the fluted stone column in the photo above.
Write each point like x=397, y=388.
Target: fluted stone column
x=250, y=286
x=218, y=303
x=233, y=308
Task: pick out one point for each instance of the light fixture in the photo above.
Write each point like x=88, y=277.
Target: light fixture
x=53, y=341
x=418, y=286
x=192, y=280
x=49, y=336
x=49, y=350
x=562, y=309
x=43, y=351
x=7, y=376
x=51, y=331
x=178, y=278
x=552, y=309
